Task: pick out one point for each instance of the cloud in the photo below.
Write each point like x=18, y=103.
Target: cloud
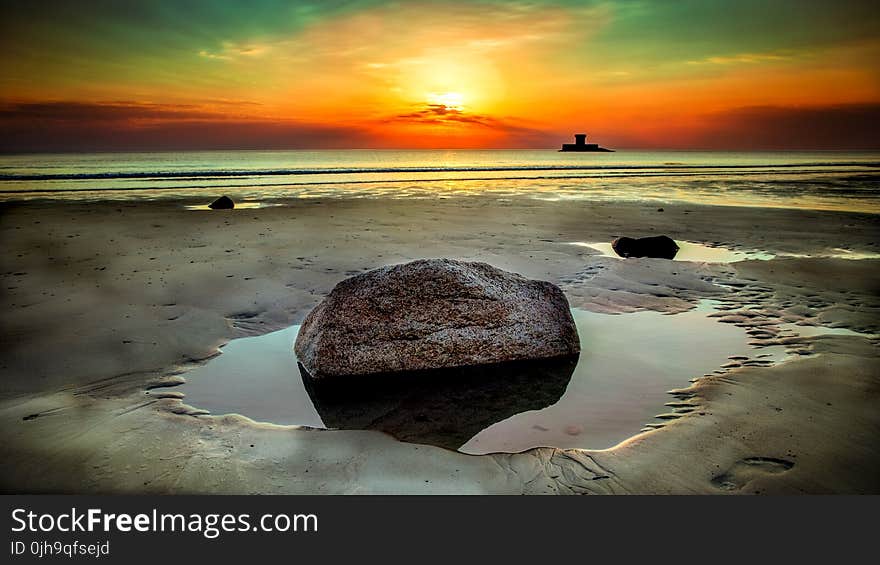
x=783, y=128
x=133, y=126
x=230, y=51
x=443, y=114
x=843, y=126
x=64, y=111
x=138, y=126
x=402, y=35
x=460, y=124
x=743, y=59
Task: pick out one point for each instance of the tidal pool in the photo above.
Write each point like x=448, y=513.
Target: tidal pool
x=618, y=384
x=628, y=363
x=690, y=251
x=256, y=377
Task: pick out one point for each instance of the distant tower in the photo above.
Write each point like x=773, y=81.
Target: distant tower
x=580, y=144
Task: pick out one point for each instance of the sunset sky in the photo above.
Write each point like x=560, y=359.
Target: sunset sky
x=191, y=74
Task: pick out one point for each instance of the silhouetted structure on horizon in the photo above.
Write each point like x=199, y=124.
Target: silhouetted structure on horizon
x=580, y=144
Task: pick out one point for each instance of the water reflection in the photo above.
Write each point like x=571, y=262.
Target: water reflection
x=812, y=180
x=445, y=407
x=616, y=386
x=690, y=251
x=255, y=377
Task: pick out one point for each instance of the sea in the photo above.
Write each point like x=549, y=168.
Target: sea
x=826, y=180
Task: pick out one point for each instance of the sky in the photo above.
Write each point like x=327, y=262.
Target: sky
x=273, y=74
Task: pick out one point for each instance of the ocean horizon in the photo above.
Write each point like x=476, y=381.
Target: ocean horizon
x=827, y=180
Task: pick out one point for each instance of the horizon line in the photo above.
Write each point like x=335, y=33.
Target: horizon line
x=403, y=148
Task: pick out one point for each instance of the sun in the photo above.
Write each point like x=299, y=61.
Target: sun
x=450, y=100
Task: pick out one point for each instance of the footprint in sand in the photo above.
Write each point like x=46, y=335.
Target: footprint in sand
x=748, y=469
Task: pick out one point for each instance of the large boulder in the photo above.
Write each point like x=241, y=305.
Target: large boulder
x=222, y=203
x=434, y=314
x=658, y=246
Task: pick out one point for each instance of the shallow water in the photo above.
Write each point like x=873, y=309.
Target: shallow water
x=256, y=377
x=628, y=363
x=818, y=331
x=618, y=385
x=238, y=206
x=815, y=180
x=691, y=251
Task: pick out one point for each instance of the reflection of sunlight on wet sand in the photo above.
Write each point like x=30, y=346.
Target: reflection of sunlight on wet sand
x=238, y=206
x=627, y=364
x=434, y=185
x=690, y=251
x=835, y=253
x=850, y=254
x=802, y=180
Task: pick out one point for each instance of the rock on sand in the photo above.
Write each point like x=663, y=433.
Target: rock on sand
x=432, y=314
x=659, y=246
x=222, y=203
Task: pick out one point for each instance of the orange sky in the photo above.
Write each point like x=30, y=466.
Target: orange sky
x=440, y=74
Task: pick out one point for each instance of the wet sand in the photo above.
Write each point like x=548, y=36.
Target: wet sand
x=599, y=399
x=106, y=305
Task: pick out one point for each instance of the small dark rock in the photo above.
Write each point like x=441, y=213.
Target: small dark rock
x=222, y=203
x=658, y=246
x=660, y=209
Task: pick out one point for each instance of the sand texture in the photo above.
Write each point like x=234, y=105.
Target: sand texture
x=107, y=305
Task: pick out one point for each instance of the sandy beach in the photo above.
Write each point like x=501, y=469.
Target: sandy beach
x=107, y=305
